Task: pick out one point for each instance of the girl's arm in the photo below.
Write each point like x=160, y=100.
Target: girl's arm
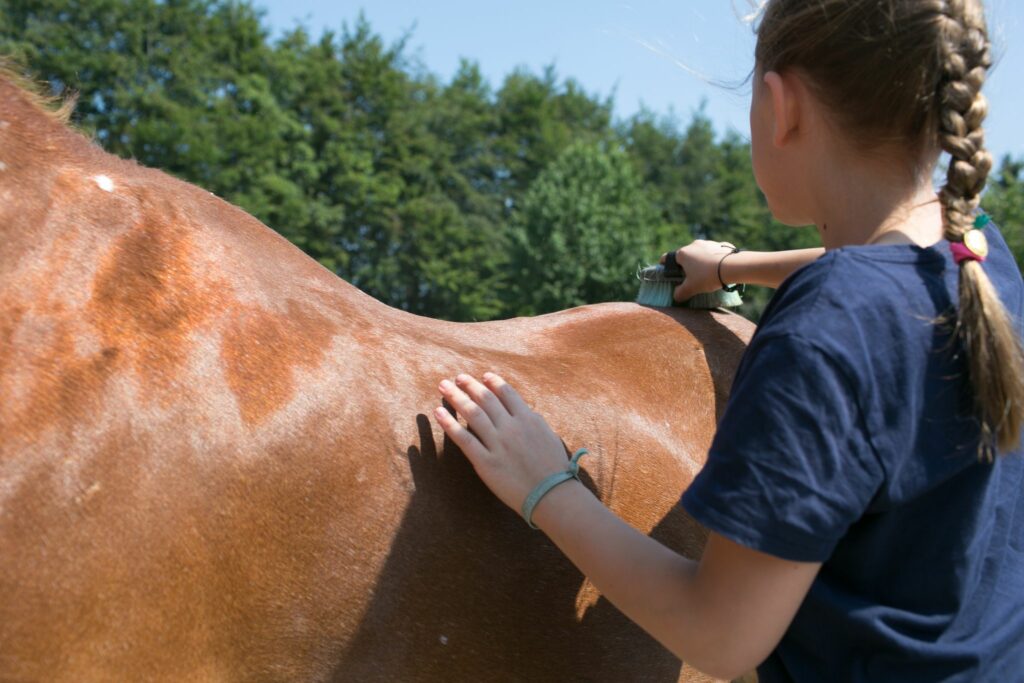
x=766, y=268
x=723, y=615
x=700, y=261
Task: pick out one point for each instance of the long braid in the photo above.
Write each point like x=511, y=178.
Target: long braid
x=907, y=75
x=962, y=109
x=993, y=350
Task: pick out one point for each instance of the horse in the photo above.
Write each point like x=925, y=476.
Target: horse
x=215, y=460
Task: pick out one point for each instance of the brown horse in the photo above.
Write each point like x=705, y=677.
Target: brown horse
x=197, y=483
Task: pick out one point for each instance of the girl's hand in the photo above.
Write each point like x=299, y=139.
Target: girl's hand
x=511, y=447
x=699, y=260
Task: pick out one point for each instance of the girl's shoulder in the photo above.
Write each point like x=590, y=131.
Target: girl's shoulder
x=886, y=286
x=857, y=287
x=882, y=310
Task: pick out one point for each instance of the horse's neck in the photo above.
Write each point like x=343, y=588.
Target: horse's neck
x=33, y=143
x=158, y=274
x=59, y=190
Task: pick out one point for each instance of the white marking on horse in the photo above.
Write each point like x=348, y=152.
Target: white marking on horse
x=444, y=640
x=3, y=166
x=105, y=183
x=88, y=493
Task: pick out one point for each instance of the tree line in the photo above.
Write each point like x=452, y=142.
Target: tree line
x=453, y=199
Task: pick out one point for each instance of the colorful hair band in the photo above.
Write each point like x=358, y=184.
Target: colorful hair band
x=975, y=246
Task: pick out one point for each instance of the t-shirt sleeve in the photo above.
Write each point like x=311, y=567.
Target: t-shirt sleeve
x=791, y=466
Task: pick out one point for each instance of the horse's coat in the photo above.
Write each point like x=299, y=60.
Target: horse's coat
x=215, y=461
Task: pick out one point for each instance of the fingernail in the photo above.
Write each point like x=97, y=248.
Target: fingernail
x=446, y=384
x=488, y=375
x=461, y=378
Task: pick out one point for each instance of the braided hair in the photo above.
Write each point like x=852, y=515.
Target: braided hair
x=909, y=73
x=985, y=330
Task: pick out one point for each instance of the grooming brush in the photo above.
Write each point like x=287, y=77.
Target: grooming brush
x=658, y=281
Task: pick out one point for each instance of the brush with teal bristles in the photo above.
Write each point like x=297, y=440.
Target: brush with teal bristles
x=658, y=281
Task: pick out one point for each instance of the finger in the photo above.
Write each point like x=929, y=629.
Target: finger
x=460, y=436
x=683, y=292
x=475, y=416
x=508, y=396
x=483, y=397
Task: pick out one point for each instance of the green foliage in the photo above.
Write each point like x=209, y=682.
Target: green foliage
x=537, y=119
x=581, y=230
x=1004, y=201
x=447, y=199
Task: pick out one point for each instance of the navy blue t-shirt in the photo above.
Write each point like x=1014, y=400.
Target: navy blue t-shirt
x=848, y=440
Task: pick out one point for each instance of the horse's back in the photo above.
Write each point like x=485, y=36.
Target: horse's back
x=468, y=591
x=215, y=460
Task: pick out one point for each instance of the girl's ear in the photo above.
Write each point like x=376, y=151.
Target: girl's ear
x=785, y=107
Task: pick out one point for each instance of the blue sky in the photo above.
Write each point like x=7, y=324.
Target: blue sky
x=661, y=53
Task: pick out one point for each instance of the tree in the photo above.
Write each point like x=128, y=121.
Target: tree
x=538, y=118
x=581, y=230
x=1004, y=201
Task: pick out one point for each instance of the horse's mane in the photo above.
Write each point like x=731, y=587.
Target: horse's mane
x=57, y=107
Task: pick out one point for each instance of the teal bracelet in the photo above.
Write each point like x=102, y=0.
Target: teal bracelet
x=550, y=482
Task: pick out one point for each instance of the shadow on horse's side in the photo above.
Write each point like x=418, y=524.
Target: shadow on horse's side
x=215, y=461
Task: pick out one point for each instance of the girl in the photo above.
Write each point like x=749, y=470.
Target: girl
x=862, y=489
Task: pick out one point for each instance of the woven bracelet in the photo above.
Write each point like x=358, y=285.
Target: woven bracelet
x=549, y=482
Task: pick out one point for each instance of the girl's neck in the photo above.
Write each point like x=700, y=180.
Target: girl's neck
x=866, y=202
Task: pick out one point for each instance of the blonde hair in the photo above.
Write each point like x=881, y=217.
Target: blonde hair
x=909, y=73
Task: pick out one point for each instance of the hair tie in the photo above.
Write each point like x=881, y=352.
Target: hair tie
x=550, y=482
x=974, y=246
x=733, y=287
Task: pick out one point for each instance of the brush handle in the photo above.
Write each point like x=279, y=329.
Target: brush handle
x=672, y=267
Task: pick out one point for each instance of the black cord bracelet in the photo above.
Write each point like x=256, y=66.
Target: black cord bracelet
x=725, y=287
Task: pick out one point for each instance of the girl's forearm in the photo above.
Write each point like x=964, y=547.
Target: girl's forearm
x=723, y=615
x=650, y=583
x=766, y=268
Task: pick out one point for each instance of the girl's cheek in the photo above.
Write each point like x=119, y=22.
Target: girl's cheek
x=763, y=172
